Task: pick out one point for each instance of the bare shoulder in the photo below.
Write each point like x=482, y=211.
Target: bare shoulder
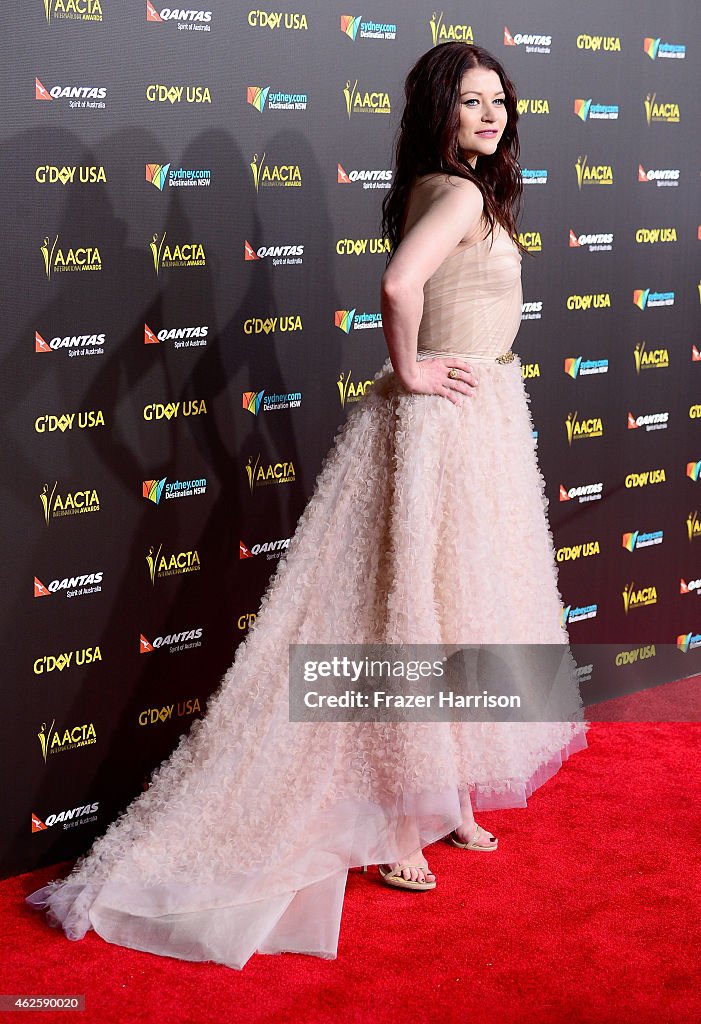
x=450, y=186
x=445, y=195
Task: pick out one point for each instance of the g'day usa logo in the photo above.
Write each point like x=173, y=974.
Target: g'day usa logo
x=183, y=18
x=78, y=97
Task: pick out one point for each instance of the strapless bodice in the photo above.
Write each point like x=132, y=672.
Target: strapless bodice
x=472, y=303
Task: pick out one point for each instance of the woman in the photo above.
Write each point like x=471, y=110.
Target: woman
x=427, y=526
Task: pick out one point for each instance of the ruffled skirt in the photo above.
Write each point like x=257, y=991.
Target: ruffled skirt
x=428, y=525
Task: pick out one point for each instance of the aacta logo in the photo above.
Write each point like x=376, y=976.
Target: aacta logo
x=171, y=410
x=278, y=254
x=359, y=102
x=186, y=20
x=46, y=424
x=176, y=563
x=55, y=741
x=654, y=359
x=654, y=111
x=69, y=819
x=348, y=390
x=90, y=97
x=57, y=505
x=184, y=254
x=72, y=586
x=175, y=641
x=578, y=430
x=668, y=177
x=368, y=179
x=261, y=475
x=274, y=175
x=87, y=174
x=74, y=10
x=58, y=662
x=655, y=48
x=637, y=598
x=531, y=43
x=74, y=344
x=156, y=93
x=644, y=298
x=595, y=174
x=693, y=526
x=531, y=240
x=182, y=337
x=442, y=33
x=58, y=260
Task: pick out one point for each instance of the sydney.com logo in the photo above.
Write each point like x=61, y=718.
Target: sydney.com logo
x=259, y=97
x=164, y=176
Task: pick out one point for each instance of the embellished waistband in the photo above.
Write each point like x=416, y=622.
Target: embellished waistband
x=505, y=357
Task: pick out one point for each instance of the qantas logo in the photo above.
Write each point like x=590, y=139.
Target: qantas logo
x=79, y=95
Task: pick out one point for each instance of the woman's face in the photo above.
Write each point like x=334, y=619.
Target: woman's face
x=482, y=113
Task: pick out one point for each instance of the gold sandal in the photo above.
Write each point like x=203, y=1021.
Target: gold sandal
x=472, y=843
x=393, y=876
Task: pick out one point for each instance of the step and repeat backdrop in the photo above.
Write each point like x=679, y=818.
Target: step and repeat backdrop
x=191, y=308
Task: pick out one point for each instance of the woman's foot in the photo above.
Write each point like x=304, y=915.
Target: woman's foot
x=484, y=839
x=473, y=837
x=414, y=868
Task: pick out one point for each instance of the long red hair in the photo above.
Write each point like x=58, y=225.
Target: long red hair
x=427, y=140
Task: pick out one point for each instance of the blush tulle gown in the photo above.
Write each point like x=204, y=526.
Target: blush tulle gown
x=428, y=524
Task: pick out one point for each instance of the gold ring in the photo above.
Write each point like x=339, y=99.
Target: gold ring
x=453, y=374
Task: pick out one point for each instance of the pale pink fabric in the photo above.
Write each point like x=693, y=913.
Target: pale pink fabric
x=428, y=524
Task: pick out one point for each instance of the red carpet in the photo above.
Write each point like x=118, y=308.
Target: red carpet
x=588, y=912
